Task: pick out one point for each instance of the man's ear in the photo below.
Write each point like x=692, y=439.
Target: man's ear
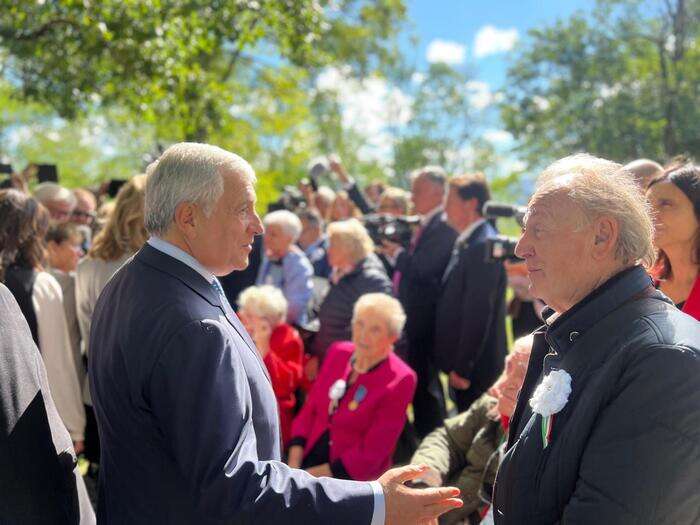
x=606, y=233
x=186, y=219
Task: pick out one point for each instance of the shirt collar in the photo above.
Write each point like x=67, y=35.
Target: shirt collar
x=425, y=219
x=470, y=229
x=182, y=256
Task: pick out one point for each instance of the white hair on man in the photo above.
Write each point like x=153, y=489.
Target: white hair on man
x=383, y=305
x=288, y=222
x=600, y=187
x=264, y=301
x=51, y=192
x=188, y=172
x=435, y=174
x=353, y=237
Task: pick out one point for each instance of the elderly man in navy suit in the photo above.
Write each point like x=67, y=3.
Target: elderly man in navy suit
x=185, y=409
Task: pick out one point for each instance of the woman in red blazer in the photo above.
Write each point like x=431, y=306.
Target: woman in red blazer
x=675, y=198
x=352, y=419
x=263, y=310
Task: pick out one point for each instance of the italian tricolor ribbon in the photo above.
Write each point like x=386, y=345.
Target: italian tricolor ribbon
x=547, y=424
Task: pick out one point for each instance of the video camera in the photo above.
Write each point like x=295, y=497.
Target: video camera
x=502, y=248
x=384, y=227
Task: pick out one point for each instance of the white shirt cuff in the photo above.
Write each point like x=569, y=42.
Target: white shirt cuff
x=379, y=512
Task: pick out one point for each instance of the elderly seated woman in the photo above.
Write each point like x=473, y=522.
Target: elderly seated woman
x=263, y=310
x=356, y=271
x=464, y=452
x=356, y=410
x=284, y=265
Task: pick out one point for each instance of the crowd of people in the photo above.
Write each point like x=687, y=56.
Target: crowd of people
x=381, y=350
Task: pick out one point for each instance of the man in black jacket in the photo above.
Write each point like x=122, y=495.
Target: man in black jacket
x=607, y=424
x=417, y=280
x=470, y=330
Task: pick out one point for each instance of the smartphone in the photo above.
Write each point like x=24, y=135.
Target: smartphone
x=114, y=186
x=6, y=168
x=46, y=173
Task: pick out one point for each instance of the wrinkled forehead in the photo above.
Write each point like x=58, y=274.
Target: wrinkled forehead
x=553, y=204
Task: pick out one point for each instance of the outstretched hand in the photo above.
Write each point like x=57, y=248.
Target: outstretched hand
x=407, y=506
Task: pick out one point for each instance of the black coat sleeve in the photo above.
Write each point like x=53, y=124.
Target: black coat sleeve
x=360, y=201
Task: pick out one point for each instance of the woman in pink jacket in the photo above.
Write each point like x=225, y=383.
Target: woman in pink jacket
x=352, y=419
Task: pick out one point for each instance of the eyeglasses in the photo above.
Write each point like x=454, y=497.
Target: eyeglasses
x=89, y=216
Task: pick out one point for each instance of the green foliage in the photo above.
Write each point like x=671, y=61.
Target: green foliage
x=622, y=84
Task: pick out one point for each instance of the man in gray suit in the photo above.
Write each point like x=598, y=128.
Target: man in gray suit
x=186, y=413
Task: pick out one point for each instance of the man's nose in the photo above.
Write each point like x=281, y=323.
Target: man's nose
x=523, y=249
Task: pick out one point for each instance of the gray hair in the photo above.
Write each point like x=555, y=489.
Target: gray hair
x=435, y=174
x=353, y=236
x=601, y=187
x=389, y=307
x=52, y=192
x=285, y=219
x=265, y=301
x=187, y=172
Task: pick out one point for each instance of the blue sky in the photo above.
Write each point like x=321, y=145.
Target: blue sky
x=460, y=21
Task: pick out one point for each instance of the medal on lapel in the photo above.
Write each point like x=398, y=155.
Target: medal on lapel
x=360, y=394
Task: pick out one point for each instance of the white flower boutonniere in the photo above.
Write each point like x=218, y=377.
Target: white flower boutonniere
x=336, y=393
x=549, y=398
x=337, y=390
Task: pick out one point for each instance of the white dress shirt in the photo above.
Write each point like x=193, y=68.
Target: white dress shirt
x=55, y=346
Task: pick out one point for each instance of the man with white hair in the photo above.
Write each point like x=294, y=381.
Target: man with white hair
x=607, y=424
x=284, y=265
x=58, y=200
x=187, y=417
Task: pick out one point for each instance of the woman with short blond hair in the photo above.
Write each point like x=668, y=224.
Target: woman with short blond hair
x=356, y=271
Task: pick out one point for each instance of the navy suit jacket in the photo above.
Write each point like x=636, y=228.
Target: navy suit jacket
x=421, y=275
x=470, y=332
x=187, y=417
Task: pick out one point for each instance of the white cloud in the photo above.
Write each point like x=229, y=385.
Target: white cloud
x=446, y=52
x=480, y=94
x=490, y=40
x=370, y=107
x=497, y=136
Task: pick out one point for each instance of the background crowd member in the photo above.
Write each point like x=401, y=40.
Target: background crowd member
x=644, y=171
x=322, y=201
x=417, y=282
x=119, y=239
x=39, y=473
x=23, y=225
x=464, y=451
x=394, y=201
x=356, y=409
x=675, y=197
x=85, y=207
x=343, y=208
x=356, y=271
x=313, y=241
x=58, y=200
x=284, y=265
x=470, y=321
x=63, y=245
x=263, y=311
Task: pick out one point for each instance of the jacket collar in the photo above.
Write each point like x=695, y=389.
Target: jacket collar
x=181, y=271
x=597, y=305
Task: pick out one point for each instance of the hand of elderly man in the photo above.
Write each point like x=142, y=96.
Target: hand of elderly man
x=406, y=506
x=458, y=382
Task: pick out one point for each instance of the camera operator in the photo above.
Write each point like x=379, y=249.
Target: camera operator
x=417, y=281
x=470, y=330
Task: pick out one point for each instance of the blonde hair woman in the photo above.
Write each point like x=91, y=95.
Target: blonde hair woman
x=356, y=271
x=122, y=236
